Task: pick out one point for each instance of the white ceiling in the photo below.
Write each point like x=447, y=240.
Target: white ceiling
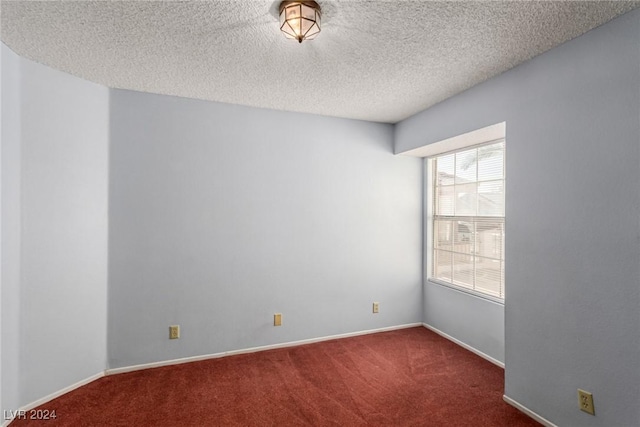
x=374, y=60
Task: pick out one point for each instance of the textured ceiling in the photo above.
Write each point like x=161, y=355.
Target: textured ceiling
x=374, y=60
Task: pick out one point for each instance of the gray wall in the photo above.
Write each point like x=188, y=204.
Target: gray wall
x=1, y=231
x=58, y=189
x=476, y=322
x=10, y=223
x=222, y=215
x=572, y=250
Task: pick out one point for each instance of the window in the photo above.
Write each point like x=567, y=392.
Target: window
x=467, y=219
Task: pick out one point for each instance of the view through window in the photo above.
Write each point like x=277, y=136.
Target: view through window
x=468, y=218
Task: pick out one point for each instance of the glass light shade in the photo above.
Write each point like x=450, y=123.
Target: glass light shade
x=300, y=20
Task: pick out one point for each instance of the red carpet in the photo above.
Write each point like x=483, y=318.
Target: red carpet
x=409, y=377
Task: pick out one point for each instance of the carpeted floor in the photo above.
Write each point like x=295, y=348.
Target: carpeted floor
x=409, y=377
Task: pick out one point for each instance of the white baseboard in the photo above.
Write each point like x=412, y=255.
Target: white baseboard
x=253, y=349
x=55, y=394
x=528, y=411
x=466, y=346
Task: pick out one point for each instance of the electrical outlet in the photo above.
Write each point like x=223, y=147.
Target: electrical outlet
x=376, y=307
x=174, y=332
x=277, y=319
x=585, y=401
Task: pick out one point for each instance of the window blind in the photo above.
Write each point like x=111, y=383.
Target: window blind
x=468, y=219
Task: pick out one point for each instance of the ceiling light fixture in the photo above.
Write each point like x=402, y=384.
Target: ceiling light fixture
x=300, y=20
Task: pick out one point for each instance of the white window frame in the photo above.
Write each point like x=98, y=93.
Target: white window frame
x=484, y=136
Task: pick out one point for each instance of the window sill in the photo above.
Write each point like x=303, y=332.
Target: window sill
x=467, y=291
